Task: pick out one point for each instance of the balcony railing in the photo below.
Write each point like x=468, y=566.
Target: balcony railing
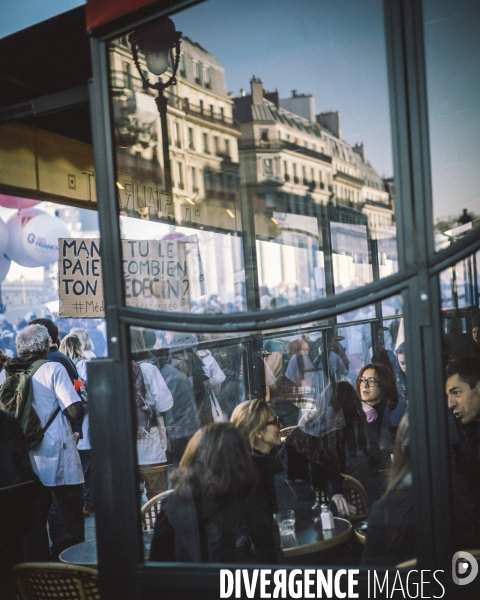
x=279, y=145
x=119, y=82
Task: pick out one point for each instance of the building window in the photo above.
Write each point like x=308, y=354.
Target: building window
x=127, y=76
x=176, y=135
x=201, y=107
x=216, y=144
x=212, y=113
x=264, y=135
x=227, y=147
x=196, y=71
x=207, y=180
x=194, y=180
x=191, y=140
x=181, y=66
x=181, y=185
x=206, y=147
x=222, y=113
x=206, y=77
x=268, y=166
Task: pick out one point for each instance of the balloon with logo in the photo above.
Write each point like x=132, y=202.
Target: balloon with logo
x=4, y=266
x=16, y=224
x=40, y=238
x=3, y=237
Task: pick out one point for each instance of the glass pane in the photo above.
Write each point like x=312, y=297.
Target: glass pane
x=32, y=288
x=288, y=201
x=452, y=52
x=460, y=329
x=319, y=442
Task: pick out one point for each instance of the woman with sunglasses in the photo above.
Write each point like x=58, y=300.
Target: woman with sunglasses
x=260, y=427
x=375, y=388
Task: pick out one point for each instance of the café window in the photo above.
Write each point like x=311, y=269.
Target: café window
x=259, y=287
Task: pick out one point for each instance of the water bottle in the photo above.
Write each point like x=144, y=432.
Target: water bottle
x=327, y=518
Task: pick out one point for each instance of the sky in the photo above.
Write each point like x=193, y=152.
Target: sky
x=19, y=14
x=335, y=50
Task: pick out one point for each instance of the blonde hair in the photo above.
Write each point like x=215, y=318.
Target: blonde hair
x=71, y=346
x=251, y=417
x=84, y=338
x=401, y=455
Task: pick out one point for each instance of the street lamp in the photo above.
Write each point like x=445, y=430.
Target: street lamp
x=157, y=41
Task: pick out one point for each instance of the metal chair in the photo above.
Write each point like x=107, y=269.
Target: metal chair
x=356, y=495
x=39, y=581
x=150, y=510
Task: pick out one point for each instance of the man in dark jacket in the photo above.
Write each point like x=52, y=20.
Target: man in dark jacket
x=18, y=485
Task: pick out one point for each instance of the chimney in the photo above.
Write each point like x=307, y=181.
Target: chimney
x=358, y=148
x=257, y=90
x=331, y=120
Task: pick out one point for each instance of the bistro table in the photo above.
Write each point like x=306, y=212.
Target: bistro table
x=361, y=531
x=309, y=537
x=85, y=554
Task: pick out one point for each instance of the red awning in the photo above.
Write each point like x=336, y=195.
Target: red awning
x=100, y=12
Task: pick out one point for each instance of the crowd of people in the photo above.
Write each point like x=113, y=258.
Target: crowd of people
x=223, y=445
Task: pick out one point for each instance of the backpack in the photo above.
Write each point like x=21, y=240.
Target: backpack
x=16, y=397
x=145, y=414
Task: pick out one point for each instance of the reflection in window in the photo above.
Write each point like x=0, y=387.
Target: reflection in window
x=452, y=52
x=338, y=395
x=459, y=289
x=323, y=217
x=350, y=256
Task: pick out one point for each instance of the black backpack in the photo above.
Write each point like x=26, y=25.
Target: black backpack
x=16, y=397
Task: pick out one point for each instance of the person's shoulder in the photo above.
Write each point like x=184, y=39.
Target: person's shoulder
x=172, y=373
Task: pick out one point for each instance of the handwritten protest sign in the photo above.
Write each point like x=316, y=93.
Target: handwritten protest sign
x=158, y=275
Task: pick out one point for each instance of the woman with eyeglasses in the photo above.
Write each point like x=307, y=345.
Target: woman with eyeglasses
x=375, y=389
x=260, y=427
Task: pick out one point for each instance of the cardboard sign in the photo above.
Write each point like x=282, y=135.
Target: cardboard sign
x=158, y=275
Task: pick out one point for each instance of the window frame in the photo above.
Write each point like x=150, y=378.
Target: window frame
x=119, y=535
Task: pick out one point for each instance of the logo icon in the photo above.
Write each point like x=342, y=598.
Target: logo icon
x=31, y=238
x=462, y=562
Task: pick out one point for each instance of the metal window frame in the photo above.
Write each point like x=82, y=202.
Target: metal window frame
x=122, y=572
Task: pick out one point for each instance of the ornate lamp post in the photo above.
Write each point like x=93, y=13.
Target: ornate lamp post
x=157, y=41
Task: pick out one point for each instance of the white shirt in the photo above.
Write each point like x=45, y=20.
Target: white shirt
x=211, y=368
x=152, y=449
x=55, y=460
x=84, y=443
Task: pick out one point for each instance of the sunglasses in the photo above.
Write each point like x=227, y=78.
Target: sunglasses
x=370, y=382
x=275, y=421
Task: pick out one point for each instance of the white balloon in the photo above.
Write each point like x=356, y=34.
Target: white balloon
x=3, y=237
x=4, y=266
x=16, y=224
x=40, y=238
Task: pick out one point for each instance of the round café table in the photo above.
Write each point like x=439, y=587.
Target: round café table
x=361, y=531
x=309, y=537
x=85, y=554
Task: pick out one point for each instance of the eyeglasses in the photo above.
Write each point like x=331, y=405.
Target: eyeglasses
x=370, y=382
x=275, y=421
